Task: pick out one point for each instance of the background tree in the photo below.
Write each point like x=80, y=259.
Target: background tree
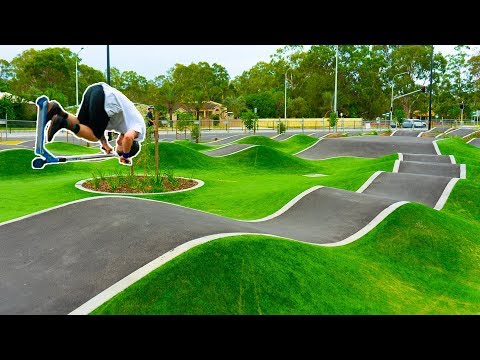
x=6, y=74
x=416, y=60
x=184, y=119
x=264, y=102
x=169, y=94
x=297, y=107
x=236, y=105
x=474, y=67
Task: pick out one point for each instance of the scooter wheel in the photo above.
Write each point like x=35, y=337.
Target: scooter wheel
x=38, y=163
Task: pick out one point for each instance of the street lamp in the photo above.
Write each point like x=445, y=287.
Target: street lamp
x=430, y=101
x=285, y=114
x=391, y=101
x=336, y=80
x=76, y=73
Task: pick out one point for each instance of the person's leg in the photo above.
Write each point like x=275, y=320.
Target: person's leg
x=93, y=117
x=91, y=121
x=87, y=133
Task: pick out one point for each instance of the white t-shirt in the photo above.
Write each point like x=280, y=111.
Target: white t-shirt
x=122, y=112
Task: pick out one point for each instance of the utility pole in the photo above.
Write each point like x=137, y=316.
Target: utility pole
x=336, y=80
x=108, y=82
x=431, y=89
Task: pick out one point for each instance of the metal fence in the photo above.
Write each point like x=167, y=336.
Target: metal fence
x=16, y=128
x=305, y=124
x=27, y=128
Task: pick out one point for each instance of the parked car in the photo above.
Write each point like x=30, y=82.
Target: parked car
x=419, y=124
x=407, y=124
x=393, y=124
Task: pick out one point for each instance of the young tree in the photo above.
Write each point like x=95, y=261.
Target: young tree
x=249, y=119
x=184, y=119
x=332, y=120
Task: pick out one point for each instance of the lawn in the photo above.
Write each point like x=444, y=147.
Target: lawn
x=248, y=185
x=416, y=261
x=291, y=145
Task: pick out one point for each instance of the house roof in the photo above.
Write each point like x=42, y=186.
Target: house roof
x=208, y=105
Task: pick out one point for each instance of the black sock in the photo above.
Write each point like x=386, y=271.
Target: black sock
x=75, y=128
x=56, y=110
x=70, y=125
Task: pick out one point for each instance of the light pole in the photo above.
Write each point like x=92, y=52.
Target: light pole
x=285, y=113
x=108, y=64
x=76, y=73
x=431, y=89
x=391, y=101
x=336, y=80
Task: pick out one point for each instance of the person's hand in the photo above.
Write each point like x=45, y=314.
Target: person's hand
x=107, y=149
x=124, y=161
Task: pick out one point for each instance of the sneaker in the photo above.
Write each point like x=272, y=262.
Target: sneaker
x=56, y=124
x=55, y=110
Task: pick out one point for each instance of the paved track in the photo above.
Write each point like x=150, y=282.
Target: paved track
x=427, y=158
x=425, y=189
x=411, y=133
x=52, y=265
x=461, y=132
x=367, y=146
x=283, y=136
x=475, y=142
x=228, y=139
x=228, y=149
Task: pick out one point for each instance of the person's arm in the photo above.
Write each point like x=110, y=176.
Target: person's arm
x=127, y=142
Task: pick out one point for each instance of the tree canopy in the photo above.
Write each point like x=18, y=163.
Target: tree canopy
x=366, y=76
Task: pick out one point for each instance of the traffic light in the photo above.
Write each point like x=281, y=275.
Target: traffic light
x=462, y=106
x=423, y=89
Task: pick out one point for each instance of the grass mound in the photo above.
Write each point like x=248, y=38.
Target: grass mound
x=404, y=266
x=291, y=145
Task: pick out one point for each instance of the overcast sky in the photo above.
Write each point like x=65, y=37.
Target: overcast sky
x=153, y=60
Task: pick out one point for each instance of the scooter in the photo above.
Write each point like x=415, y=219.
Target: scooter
x=45, y=156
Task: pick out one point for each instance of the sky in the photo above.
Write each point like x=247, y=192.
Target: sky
x=153, y=60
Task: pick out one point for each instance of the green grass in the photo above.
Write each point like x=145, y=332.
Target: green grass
x=248, y=185
x=196, y=146
x=416, y=261
x=62, y=148
x=461, y=203
x=395, y=269
x=291, y=145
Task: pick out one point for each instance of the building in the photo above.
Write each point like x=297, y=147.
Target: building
x=208, y=110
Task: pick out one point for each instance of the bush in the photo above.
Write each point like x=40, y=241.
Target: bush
x=332, y=119
x=248, y=119
x=195, y=133
x=282, y=128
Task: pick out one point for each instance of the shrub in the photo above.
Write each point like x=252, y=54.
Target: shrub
x=195, y=132
x=332, y=119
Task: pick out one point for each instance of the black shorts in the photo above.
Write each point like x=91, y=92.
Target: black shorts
x=92, y=111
